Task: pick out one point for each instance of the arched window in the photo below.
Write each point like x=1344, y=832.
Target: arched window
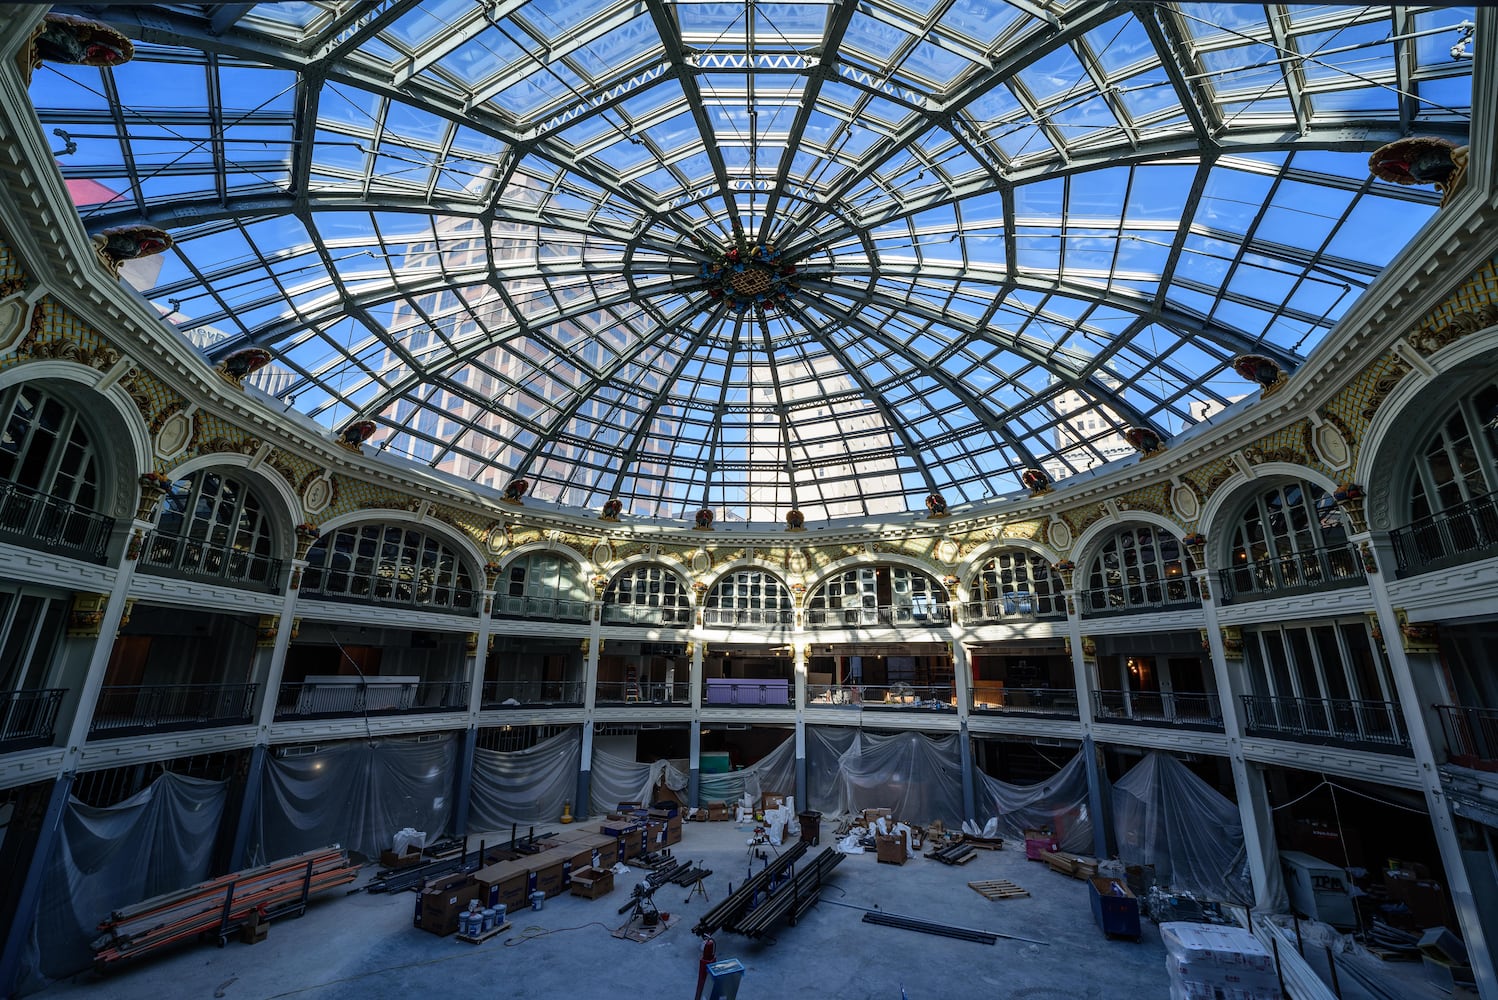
x=1140, y=568
x=389, y=564
x=1291, y=536
x=1453, y=489
x=50, y=490
x=749, y=597
x=213, y=524
x=1015, y=582
x=874, y=595
x=647, y=595
x=543, y=585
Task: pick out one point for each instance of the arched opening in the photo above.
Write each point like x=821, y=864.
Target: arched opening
x=1014, y=584
x=53, y=488
x=749, y=598
x=213, y=524
x=647, y=594
x=878, y=595
x=1139, y=568
x=389, y=564
x=1289, y=538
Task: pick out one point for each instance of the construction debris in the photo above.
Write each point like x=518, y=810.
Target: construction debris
x=954, y=854
x=1075, y=865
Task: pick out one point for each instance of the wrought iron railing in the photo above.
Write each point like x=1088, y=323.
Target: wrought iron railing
x=1140, y=599
x=1375, y=725
x=1456, y=535
x=1325, y=568
x=541, y=608
x=886, y=616
x=753, y=618
x=180, y=555
x=127, y=709
x=532, y=694
x=651, y=693
x=1024, y=701
x=882, y=696
x=36, y=519
x=1156, y=708
x=645, y=614
x=371, y=698
x=1471, y=736
x=394, y=592
x=1019, y=606
x=29, y=718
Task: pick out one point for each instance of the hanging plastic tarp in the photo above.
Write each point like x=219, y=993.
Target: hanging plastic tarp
x=917, y=776
x=159, y=840
x=615, y=779
x=775, y=772
x=524, y=787
x=1166, y=816
x=1058, y=804
x=357, y=794
x=825, y=747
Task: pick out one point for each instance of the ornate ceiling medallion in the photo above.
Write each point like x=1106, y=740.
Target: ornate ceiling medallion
x=756, y=278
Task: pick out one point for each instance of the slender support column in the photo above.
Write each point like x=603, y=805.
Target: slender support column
x=109, y=617
x=969, y=791
x=799, y=651
x=591, y=649
x=694, y=764
x=695, y=650
x=464, y=791
x=30, y=895
x=1097, y=802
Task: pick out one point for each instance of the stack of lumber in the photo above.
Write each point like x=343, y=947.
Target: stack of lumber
x=220, y=906
x=1075, y=865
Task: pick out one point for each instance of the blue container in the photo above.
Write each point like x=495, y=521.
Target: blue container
x=499, y=914
x=1114, y=907
x=537, y=899
x=488, y=918
x=725, y=975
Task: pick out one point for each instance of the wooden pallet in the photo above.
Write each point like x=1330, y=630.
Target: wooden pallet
x=999, y=888
x=985, y=843
x=480, y=938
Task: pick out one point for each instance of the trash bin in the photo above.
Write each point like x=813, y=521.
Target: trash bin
x=811, y=828
x=725, y=976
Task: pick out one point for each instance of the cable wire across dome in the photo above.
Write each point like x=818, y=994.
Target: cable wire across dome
x=753, y=258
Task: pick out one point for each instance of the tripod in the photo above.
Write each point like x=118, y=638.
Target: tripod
x=642, y=906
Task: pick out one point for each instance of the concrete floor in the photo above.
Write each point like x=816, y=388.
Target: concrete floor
x=363, y=947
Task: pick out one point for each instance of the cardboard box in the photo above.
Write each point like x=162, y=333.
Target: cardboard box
x=389, y=859
x=719, y=812
x=890, y=849
x=552, y=878
x=507, y=882
x=590, y=883
x=440, y=907
x=870, y=815
x=621, y=828
x=673, y=835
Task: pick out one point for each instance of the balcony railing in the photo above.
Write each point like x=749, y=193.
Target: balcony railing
x=176, y=555
x=46, y=522
x=29, y=718
x=532, y=694
x=887, y=616
x=1471, y=736
x=124, y=710
x=747, y=618
x=645, y=614
x=305, y=701
x=746, y=692
x=1457, y=535
x=1325, y=568
x=916, y=697
x=394, y=593
x=1018, y=606
x=1024, y=701
x=1373, y=725
x=644, y=693
x=1158, y=708
x=1140, y=599
x=554, y=609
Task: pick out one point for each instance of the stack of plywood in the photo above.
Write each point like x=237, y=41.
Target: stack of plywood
x=1076, y=865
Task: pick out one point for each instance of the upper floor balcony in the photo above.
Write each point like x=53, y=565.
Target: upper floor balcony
x=1471, y=736
x=1141, y=599
x=1459, y=534
x=37, y=520
x=335, y=696
x=130, y=710
x=29, y=718
x=645, y=693
x=392, y=591
x=1357, y=725
x=748, y=618
x=1324, y=568
x=532, y=694
x=883, y=616
x=898, y=696
x=554, y=609
x=676, y=616
x=178, y=555
x=996, y=698
x=1191, y=710
x=1019, y=606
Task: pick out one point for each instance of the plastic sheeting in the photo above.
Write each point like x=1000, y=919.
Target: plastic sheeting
x=614, y=780
x=356, y=794
x=1059, y=804
x=525, y=786
x=775, y=772
x=1163, y=815
x=916, y=775
x=159, y=840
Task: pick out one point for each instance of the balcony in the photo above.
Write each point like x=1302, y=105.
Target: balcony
x=1357, y=725
x=37, y=520
x=749, y=618
x=909, y=697
x=1458, y=535
x=532, y=694
x=645, y=614
x=331, y=697
x=994, y=698
x=1326, y=568
x=1471, y=736
x=1187, y=710
x=146, y=708
x=887, y=616
x=1019, y=606
x=1140, y=599
x=176, y=555
x=392, y=592
x=28, y=719
x=644, y=693
x=549, y=609
x=746, y=692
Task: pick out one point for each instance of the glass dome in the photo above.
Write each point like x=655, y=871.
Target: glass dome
x=754, y=257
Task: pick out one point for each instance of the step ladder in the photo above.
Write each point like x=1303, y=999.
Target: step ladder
x=631, y=684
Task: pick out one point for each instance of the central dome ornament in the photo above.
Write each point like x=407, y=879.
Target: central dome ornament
x=756, y=277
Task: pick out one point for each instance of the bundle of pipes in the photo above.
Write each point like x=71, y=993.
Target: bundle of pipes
x=791, y=898
x=953, y=854
x=737, y=902
x=689, y=874
x=219, y=906
x=927, y=927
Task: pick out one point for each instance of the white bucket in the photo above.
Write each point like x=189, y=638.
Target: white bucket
x=537, y=899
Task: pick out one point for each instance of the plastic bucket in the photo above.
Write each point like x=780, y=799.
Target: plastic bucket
x=499, y=914
x=537, y=899
x=488, y=919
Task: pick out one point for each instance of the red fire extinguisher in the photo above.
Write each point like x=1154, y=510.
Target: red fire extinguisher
x=709, y=956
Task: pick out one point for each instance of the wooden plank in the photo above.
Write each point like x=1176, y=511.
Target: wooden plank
x=998, y=889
